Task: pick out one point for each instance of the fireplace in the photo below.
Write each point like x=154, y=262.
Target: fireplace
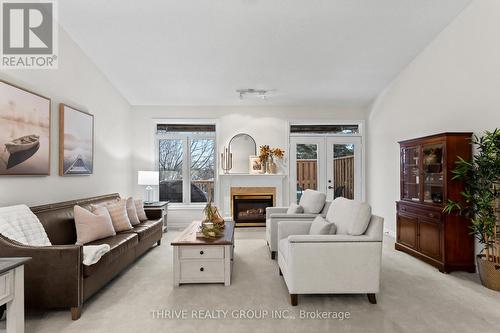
x=249, y=203
x=250, y=210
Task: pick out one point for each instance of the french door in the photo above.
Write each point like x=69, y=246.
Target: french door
x=329, y=164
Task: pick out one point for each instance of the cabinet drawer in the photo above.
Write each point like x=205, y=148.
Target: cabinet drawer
x=421, y=212
x=201, y=252
x=6, y=287
x=202, y=271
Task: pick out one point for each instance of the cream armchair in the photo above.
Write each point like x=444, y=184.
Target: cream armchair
x=275, y=215
x=330, y=264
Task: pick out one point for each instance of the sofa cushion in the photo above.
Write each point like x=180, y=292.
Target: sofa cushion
x=283, y=248
x=147, y=228
x=294, y=209
x=320, y=226
x=119, y=245
x=132, y=212
x=312, y=201
x=351, y=217
x=141, y=213
x=91, y=226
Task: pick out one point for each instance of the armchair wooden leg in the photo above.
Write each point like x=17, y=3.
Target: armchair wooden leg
x=273, y=255
x=76, y=312
x=281, y=273
x=158, y=243
x=294, y=299
x=372, y=299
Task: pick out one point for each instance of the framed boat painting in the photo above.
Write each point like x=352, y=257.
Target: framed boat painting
x=76, y=141
x=24, y=132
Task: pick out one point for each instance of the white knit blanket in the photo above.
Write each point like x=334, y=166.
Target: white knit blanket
x=21, y=225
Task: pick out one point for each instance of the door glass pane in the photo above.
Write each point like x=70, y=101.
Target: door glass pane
x=411, y=183
x=433, y=173
x=343, y=170
x=307, y=168
x=202, y=170
x=170, y=168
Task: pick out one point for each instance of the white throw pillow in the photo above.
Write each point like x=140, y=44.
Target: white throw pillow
x=320, y=226
x=132, y=212
x=351, y=217
x=141, y=213
x=91, y=226
x=312, y=201
x=295, y=209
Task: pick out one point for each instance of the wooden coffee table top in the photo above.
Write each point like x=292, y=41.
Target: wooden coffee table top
x=188, y=236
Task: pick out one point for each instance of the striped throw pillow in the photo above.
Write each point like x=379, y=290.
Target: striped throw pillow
x=139, y=206
x=132, y=212
x=118, y=212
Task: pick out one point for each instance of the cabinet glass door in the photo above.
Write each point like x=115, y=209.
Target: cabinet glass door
x=411, y=180
x=433, y=173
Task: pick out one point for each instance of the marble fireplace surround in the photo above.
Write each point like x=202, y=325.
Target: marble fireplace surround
x=248, y=184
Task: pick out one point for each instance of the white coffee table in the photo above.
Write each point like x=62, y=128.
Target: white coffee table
x=200, y=260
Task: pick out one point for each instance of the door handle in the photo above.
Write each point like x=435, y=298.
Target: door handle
x=330, y=187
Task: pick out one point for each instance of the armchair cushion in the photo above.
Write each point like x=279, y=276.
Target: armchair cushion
x=312, y=201
x=320, y=226
x=351, y=217
x=295, y=209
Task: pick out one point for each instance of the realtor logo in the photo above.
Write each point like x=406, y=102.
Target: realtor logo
x=29, y=34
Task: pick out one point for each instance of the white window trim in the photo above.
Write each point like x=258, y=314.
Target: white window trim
x=175, y=121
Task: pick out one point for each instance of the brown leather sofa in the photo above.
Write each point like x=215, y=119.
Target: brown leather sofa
x=56, y=277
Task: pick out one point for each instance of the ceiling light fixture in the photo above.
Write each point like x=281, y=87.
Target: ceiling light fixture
x=252, y=92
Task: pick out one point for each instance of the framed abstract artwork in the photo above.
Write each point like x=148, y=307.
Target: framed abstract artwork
x=24, y=132
x=76, y=141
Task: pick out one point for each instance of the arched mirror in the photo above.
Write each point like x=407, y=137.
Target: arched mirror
x=241, y=146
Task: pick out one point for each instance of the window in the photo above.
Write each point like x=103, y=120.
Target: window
x=186, y=162
x=324, y=129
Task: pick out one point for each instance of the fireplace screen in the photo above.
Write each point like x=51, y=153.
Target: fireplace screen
x=250, y=210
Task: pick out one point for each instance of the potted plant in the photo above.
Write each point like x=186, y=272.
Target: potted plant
x=212, y=215
x=481, y=203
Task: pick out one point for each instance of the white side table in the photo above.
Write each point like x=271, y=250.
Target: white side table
x=12, y=292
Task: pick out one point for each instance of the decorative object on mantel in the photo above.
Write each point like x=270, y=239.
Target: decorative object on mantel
x=241, y=146
x=212, y=215
x=266, y=157
x=148, y=178
x=255, y=165
x=24, y=132
x=226, y=160
x=482, y=203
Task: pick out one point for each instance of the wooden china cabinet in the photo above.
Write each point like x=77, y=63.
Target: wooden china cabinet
x=423, y=230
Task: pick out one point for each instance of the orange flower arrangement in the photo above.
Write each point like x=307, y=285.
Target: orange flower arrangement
x=266, y=152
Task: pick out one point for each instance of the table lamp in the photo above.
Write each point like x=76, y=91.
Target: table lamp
x=148, y=178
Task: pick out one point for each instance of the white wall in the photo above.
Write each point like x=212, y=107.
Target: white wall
x=79, y=83
x=453, y=85
x=267, y=125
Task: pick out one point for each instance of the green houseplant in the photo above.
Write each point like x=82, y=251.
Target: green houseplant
x=480, y=203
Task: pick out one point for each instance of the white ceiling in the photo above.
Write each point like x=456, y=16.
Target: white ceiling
x=198, y=52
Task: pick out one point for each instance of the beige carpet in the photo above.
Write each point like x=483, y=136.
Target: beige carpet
x=414, y=298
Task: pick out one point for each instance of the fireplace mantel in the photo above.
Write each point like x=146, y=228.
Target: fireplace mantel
x=232, y=180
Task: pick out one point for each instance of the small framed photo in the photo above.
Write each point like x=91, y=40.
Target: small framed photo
x=255, y=165
x=76, y=141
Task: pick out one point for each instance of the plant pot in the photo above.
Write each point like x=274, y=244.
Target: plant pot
x=489, y=273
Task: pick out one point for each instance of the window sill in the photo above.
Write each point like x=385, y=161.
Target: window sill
x=181, y=206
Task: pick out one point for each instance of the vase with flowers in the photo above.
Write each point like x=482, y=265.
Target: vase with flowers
x=267, y=155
